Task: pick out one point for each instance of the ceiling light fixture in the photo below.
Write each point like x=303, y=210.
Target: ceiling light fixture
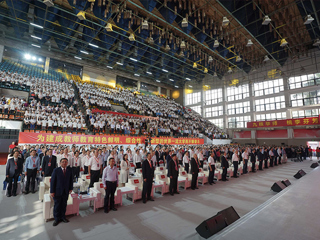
x=184, y=22
x=205, y=70
x=308, y=19
x=225, y=21
x=165, y=70
x=93, y=45
x=36, y=37
x=84, y=52
x=229, y=70
x=158, y=81
x=216, y=44
x=149, y=72
x=119, y=63
x=34, y=58
x=109, y=27
x=250, y=43
x=36, y=25
x=131, y=37
x=40, y=60
x=36, y=45
x=137, y=75
x=195, y=65
x=316, y=42
x=266, y=58
x=171, y=80
x=110, y=67
x=210, y=59
x=150, y=40
x=215, y=74
x=49, y=3
x=183, y=45
x=190, y=86
x=188, y=79
x=27, y=56
x=266, y=20
x=167, y=48
x=81, y=15
x=145, y=25
x=176, y=86
x=133, y=59
x=78, y=57
x=238, y=59
x=283, y=42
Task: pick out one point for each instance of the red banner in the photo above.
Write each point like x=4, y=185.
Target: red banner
x=50, y=138
x=242, y=134
x=306, y=133
x=123, y=114
x=284, y=123
x=280, y=133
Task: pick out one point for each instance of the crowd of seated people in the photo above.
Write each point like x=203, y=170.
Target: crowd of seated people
x=53, y=118
x=93, y=96
x=14, y=107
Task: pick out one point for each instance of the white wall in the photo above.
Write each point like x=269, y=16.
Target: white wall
x=11, y=124
x=102, y=77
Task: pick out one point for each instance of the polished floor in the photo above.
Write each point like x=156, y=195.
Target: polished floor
x=168, y=217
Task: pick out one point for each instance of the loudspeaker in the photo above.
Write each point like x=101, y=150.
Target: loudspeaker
x=299, y=174
x=286, y=182
x=218, y=222
x=278, y=186
x=314, y=165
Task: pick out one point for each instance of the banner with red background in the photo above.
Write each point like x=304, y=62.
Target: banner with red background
x=285, y=122
x=50, y=138
x=123, y=114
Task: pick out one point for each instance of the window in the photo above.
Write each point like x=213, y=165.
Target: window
x=238, y=122
x=271, y=116
x=193, y=98
x=268, y=87
x=305, y=98
x=214, y=111
x=197, y=109
x=237, y=93
x=305, y=113
x=304, y=81
x=268, y=104
x=214, y=96
x=238, y=108
x=218, y=122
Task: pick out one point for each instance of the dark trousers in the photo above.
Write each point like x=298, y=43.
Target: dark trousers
x=271, y=161
x=94, y=177
x=260, y=164
x=146, y=191
x=194, y=180
x=266, y=163
x=173, y=185
x=138, y=165
x=60, y=206
x=15, y=184
x=75, y=172
x=211, y=174
x=253, y=166
x=180, y=162
x=201, y=164
x=31, y=176
x=279, y=161
x=85, y=170
x=235, y=168
x=276, y=161
x=111, y=189
x=186, y=167
x=245, y=166
x=224, y=174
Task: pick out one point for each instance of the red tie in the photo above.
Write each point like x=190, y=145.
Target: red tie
x=150, y=164
x=64, y=172
x=175, y=163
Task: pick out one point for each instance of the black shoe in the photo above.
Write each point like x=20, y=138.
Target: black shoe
x=177, y=192
x=266, y=167
x=27, y=192
x=171, y=194
x=151, y=199
x=144, y=201
x=14, y=194
x=227, y=179
x=197, y=188
x=114, y=209
x=106, y=211
x=193, y=188
x=33, y=192
x=224, y=180
x=9, y=195
x=210, y=183
x=55, y=223
x=64, y=220
x=213, y=182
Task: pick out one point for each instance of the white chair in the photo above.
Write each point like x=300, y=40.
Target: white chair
x=100, y=202
x=138, y=172
x=184, y=176
x=161, y=163
x=137, y=185
x=44, y=187
x=48, y=203
x=165, y=181
x=202, y=177
x=85, y=185
x=159, y=170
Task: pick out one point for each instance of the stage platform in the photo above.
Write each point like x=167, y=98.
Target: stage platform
x=293, y=213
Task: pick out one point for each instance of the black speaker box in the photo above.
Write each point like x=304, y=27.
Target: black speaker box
x=218, y=222
x=300, y=174
x=286, y=182
x=314, y=165
x=278, y=186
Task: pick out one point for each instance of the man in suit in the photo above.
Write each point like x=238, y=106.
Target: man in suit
x=168, y=160
x=195, y=171
x=224, y=165
x=266, y=157
x=13, y=171
x=157, y=155
x=260, y=158
x=253, y=159
x=60, y=187
x=147, y=175
x=173, y=174
x=49, y=163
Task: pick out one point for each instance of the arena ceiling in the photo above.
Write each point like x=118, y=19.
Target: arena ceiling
x=174, y=40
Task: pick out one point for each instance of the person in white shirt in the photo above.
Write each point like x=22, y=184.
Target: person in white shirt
x=245, y=157
x=95, y=168
x=85, y=161
x=76, y=163
x=124, y=173
x=186, y=161
x=137, y=159
x=235, y=162
x=212, y=168
x=200, y=157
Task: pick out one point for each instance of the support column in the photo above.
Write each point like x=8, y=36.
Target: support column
x=46, y=65
x=225, y=109
x=168, y=92
x=202, y=100
x=159, y=90
x=287, y=97
x=1, y=52
x=252, y=112
x=138, y=85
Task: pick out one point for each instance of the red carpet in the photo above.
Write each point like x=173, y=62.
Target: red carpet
x=3, y=158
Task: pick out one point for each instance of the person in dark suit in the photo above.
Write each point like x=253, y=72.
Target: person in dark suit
x=253, y=159
x=195, y=170
x=168, y=160
x=266, y=157
x=260, y=158
x=147, y=175
x=49, y=163
x=13, y=171
x=173, y=174
x=224, y=165
x=275, y=153
x=60, y=187
x=157, y=155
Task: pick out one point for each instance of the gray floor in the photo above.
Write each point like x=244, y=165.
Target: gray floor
x=166, y=218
